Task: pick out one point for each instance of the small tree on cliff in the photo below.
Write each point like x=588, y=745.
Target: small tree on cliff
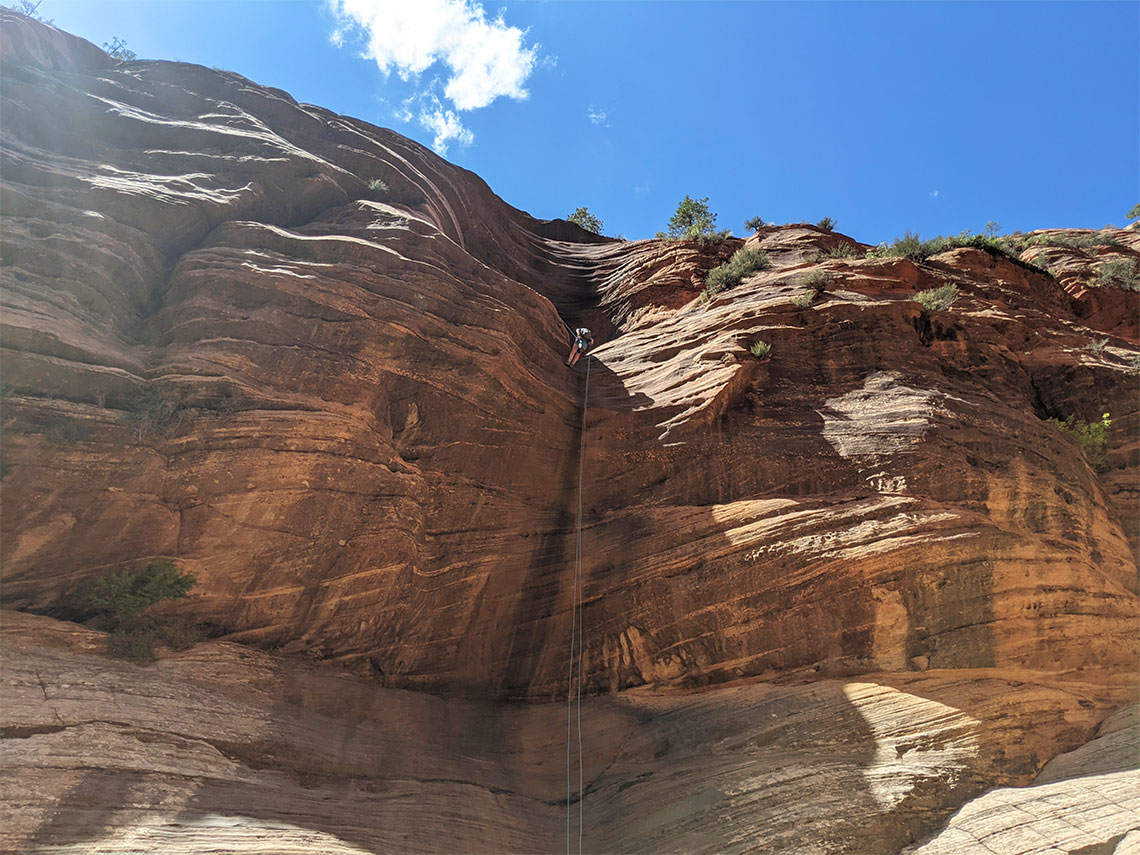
x=754, y=224
x=586, y=220
x=117, y=48
x=122, y=599
x=693, y=219
x=31, y=8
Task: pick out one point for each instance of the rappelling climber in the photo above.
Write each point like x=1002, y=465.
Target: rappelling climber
x=583, y=341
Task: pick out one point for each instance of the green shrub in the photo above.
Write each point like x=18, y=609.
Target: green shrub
x=827, y=224
x=1134, y=212
x=121, y=599
x=124, y=595
x=1118, y=273
x=582, y=217
x=1097, y=345
x=1091, y=435
x=760, y=349
x=1077, y=241
x=754, y=224
x=135, y=644
x=378, y=185
x=911, y=246
x=843, y=250
x=730, y=274
x=934, y=299
x=816, y=279
x=158, y=411
x=804, y=300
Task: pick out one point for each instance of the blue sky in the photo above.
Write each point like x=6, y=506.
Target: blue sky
x=887, y=116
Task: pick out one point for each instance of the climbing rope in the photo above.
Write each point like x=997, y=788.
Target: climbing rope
x=577, y=628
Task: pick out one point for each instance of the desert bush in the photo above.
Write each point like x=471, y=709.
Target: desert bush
x=1091, y=435
x=843, y=250
x=117, y=49
x=754, y=224
x=816, y=279
x=31, y=8
x=179, y=635
x=123, y=595
x=934, y=299
x=760, y=349
x=378, y=185
x=586, y=220
x=158, y=411
x=911, y=246
x=229, y=402
x=827, y=224
x=121, y=600
x=804, y=300
x=65, y=431
x=1097, y=345
x=134, y=644
x=730, y=274
x=1077, y=241
x=1134, y=212
x=1118, y=273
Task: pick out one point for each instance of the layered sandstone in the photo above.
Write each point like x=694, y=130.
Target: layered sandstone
x=344, y=410
x=228, y=749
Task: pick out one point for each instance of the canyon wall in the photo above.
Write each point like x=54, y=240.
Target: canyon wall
x=323, y=369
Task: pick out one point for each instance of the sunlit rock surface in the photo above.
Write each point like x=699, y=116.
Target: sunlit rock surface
x=225, y=748
x=341, y=404
x=1086, y=801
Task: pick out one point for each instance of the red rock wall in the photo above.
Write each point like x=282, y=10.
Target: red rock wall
x=369, y=447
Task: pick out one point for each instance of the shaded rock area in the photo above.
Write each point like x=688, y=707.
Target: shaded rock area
x=1086, y=801
x=829, y=596
x=228, y=749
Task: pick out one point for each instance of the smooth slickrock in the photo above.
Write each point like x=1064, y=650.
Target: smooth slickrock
x=1086, y=801
x=345, y=410
x=228, y=749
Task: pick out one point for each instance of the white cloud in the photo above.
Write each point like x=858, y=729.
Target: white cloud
x=431, y=115
x=933, y=194
x=446, y=126
x=596, y=116
x=486, y=59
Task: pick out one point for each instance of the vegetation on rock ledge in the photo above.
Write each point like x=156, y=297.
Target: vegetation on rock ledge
x=733, y=271
x=935, y=299
x=582, y=217
x=122, y=599
x=1091, y=435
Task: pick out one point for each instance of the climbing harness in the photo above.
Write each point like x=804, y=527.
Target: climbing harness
x=576, y=633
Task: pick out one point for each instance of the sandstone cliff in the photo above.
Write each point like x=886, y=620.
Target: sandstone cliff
x=322, y=368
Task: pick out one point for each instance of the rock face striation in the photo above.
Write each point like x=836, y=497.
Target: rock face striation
x=322, y=368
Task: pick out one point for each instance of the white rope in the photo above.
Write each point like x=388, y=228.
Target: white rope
x=576, y=635
x=581, y=595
